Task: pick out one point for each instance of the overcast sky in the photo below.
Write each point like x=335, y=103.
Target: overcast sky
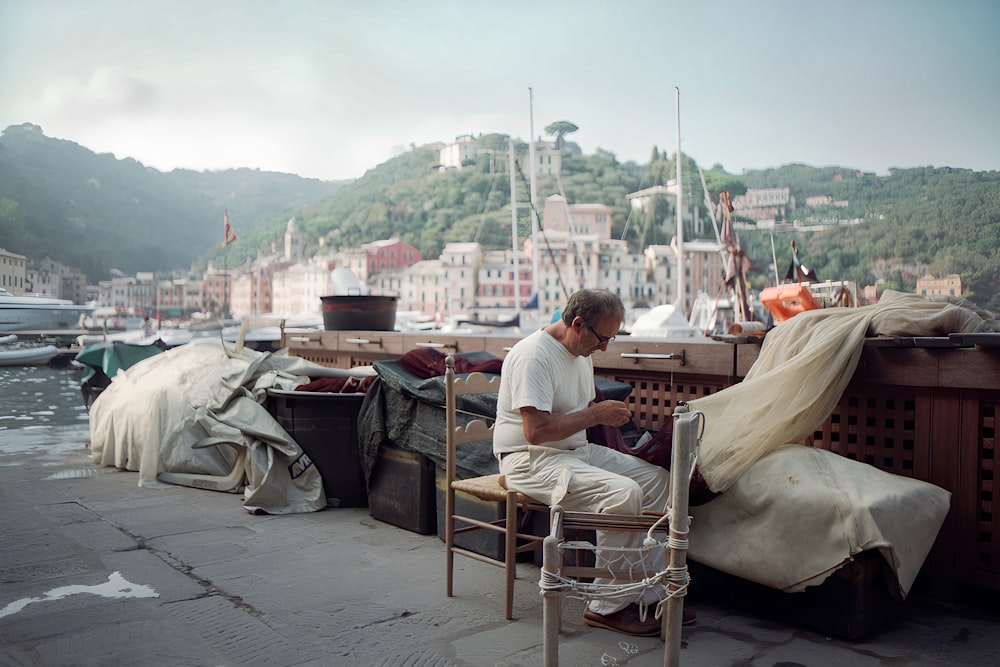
x=331, y=88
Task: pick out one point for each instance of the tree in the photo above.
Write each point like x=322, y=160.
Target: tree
x=560, y=129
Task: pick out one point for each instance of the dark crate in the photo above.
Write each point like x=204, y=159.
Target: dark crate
x=325, y=426
x=482, y=542
x=402, y=490
x=854, y=601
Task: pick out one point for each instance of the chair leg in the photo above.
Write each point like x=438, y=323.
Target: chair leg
x=550, y=604
x=510, y=555
x=449, y=539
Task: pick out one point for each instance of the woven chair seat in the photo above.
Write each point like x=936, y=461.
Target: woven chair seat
x=491, y=488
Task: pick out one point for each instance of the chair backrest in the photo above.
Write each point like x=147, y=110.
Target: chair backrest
x=477, y=429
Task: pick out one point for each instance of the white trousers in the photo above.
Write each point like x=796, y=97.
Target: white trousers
x=595, y=478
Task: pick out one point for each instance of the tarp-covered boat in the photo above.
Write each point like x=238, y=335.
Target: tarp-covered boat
x=195, y=415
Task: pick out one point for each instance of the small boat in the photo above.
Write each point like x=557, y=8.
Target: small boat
x=27, y=354
x=664, y=321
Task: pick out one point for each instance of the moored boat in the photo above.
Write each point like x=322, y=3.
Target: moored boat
x=26, y=354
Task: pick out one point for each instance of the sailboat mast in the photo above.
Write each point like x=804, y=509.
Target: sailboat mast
x=681, y=301
x=513, y=226
x=533, y=194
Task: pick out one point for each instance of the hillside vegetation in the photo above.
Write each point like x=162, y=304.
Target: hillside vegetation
x=98, y=213
x=93, y=211
x=910, y=222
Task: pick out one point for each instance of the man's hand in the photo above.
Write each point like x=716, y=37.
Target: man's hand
x=541, y=427
x=611, y=413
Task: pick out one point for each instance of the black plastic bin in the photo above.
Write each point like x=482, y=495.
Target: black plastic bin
x=325, y=425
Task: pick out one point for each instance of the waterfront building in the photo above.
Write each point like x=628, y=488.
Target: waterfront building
x=128, y=295
x=298, y=288
x=496, y=284
x=12, y=271
x=460, y=264
x=703, y=270
x=389, y=254
x=420, y=288
x=583, y=219
x=170, y=297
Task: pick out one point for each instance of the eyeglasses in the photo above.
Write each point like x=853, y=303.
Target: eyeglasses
x=601, y=340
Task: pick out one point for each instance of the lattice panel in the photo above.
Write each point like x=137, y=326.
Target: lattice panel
x=988, y=505
x=321, y=357
x=654, y=396
x=886, y=427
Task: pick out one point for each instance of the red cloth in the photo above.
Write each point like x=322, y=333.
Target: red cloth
x=425, y=362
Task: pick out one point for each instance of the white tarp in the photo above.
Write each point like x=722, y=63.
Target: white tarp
x=174, y=412
x=790, y=515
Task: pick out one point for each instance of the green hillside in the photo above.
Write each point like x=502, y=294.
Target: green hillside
x=938, y=220
x=95, y=212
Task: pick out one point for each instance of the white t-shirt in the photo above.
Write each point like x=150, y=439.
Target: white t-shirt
x=540, y=372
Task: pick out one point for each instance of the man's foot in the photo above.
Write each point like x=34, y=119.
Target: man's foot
x=689, y=618
x=627, y=620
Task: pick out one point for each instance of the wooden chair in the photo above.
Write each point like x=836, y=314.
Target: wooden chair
x=488, y=488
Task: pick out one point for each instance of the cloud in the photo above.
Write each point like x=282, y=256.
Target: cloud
x=108, y=91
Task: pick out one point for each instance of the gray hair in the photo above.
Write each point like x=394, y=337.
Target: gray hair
x=593, y=305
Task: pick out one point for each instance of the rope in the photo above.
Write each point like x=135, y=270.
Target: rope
x=573, y=588
x=673, y=581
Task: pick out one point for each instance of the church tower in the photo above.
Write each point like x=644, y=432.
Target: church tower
x=293, y=243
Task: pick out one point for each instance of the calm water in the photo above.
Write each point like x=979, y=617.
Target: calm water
x=41, y=412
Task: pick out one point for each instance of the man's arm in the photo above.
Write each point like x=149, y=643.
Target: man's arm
x=541, y=427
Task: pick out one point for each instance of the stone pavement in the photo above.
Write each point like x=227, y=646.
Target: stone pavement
x=97, y=571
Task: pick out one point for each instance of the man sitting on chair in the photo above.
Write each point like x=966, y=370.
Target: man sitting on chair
x=545, y=406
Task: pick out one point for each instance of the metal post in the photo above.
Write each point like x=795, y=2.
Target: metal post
x=513, y=225
x=681, y=290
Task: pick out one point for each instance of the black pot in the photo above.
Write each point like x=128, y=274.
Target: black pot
x=359, y=313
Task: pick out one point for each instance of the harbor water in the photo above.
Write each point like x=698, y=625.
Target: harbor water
x=42, y=412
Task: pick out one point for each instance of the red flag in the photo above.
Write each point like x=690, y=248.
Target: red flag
x=228, y=236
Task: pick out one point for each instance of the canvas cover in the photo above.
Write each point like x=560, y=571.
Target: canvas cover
x=790, y=515
x=408, y=411
x=800, y=513
x=192, y=408
x=801, y=373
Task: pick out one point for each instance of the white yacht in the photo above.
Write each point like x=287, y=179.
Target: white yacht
x=39, y=313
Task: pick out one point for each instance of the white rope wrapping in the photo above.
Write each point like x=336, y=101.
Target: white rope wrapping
x=677, y=578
